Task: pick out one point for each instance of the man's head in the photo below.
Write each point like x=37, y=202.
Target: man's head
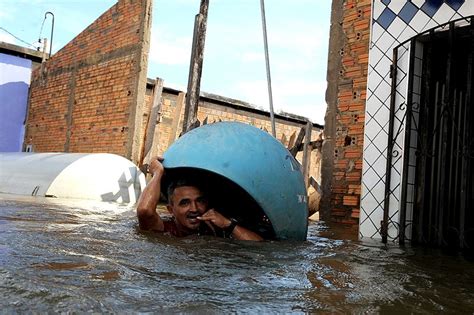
x=186, y=201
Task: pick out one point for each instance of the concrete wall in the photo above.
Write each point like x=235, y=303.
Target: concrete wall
x=345, y=116
x=88, y=97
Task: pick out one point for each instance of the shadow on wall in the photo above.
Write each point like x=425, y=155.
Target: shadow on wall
x=13, y=103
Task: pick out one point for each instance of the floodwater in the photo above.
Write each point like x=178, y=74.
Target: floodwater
x=71, y=256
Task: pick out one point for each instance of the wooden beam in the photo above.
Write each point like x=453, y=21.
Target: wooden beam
x=151, y=136
x=307, y=152
x=176, y=117
x=195, y=67
x=291, y=142
x=283, y=139
x=299, y=140
x=316, y=144
x=315, y=185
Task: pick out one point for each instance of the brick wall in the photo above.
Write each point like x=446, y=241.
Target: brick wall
x=88, y=97
x=347, y=84
x=215, y=108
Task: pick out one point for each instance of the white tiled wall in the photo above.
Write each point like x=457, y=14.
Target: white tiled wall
x=394, y=22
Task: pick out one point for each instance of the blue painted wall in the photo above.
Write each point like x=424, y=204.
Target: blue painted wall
x=15, y=74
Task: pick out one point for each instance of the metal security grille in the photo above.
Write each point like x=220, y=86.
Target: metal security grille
x=430, y=169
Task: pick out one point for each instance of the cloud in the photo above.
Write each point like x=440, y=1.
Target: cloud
x=314, y=111
x=234, y=60
x=253, y=57
x=168, y=50
x=290, y=49
x=252, y=91
x=301, y=97
x=289, y=96
x=303, y=38
x=301, y=87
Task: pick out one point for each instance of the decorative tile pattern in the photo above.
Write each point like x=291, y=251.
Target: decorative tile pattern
x=431, y=7
x=445, y=14
x=386, y=18
x=393, y=23
x=406, y=10
x=455, y=4
x=419, y=21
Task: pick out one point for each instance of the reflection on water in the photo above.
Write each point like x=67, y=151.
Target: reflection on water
x=58, y=256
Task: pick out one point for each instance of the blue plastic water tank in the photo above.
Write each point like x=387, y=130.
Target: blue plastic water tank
x=254, y=160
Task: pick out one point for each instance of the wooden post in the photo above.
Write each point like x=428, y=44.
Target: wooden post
x=315, y=185
x=307, y=152
x=195, y=68
x=294, y=150
x=291, y=142
x=176, y=117
x=283, y=139
x=151, y=137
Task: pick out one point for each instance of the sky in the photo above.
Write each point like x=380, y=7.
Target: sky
x=234, y=56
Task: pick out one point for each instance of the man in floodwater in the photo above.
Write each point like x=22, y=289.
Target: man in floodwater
x=189, y=207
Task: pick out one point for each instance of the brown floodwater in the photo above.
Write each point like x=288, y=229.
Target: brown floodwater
x=76, y=256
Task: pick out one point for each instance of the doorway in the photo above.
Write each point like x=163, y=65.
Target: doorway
x=443, y=200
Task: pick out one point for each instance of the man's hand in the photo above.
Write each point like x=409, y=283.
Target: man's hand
x=215, y=218
x=155, y=167
x=239, y=232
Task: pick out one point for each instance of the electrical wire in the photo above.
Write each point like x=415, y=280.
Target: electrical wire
x=41, y=29
x=17, y=38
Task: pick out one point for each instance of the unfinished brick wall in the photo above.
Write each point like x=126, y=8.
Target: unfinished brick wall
x=89, y=96
x=221, y=109
x=346, y=95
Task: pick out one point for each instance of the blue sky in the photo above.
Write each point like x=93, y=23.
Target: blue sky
x=234, y=62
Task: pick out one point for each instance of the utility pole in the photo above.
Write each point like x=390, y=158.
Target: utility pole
x=267, y=62
x=195, y=68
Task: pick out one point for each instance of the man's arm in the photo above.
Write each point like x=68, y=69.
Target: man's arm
x=241, y=233
x=238, y=233
x=148, y=219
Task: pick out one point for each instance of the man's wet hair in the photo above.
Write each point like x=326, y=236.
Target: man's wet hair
x=181, y=182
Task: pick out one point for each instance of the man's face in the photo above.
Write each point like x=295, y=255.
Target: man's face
x=187, y=203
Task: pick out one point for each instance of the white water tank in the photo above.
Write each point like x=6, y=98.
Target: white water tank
x=93, y=176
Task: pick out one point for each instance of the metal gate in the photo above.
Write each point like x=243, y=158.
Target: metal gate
x=430, y=165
